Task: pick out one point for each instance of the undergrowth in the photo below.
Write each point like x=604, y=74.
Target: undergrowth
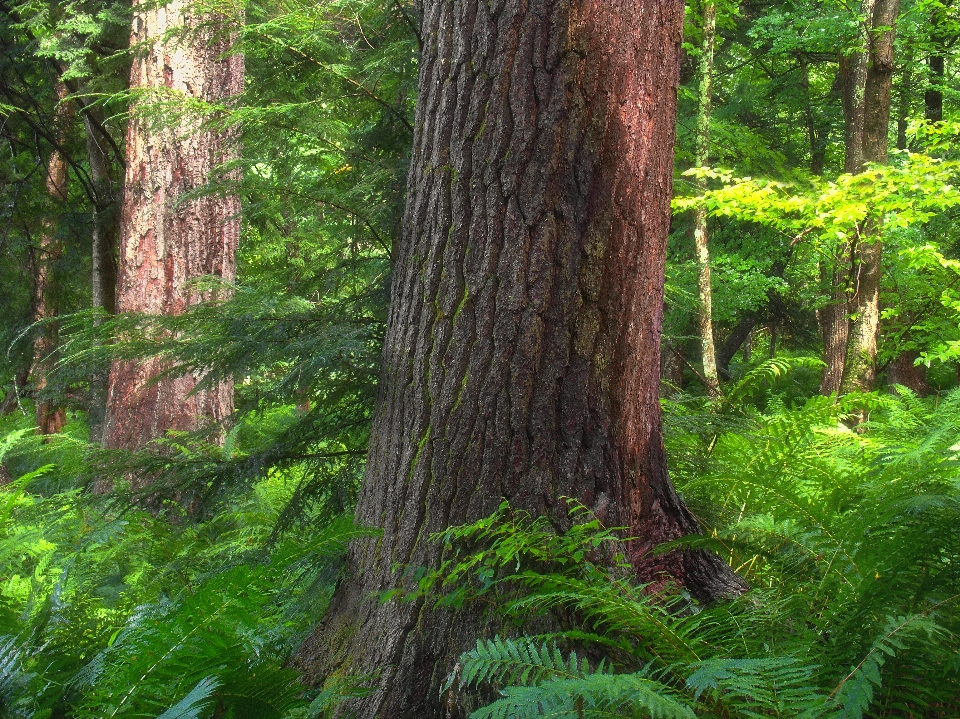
x=848, y=538
x=108, y=612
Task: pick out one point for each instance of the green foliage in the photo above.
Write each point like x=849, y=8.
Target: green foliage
x=112, y=613
x=848, y=539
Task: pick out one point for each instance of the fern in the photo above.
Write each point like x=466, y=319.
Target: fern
x=515, y=661
x=558, y=686
x=14, y=681
x=597, y=696
x=195, y=702
x=781, y=687
x=855, y=692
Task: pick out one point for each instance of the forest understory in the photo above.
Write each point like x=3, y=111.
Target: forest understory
x=406, y=358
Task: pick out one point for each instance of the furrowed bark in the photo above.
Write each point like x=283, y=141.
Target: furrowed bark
x=522, y=352
x=167, y=240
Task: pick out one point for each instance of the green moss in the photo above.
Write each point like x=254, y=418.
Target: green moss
x=416, y=457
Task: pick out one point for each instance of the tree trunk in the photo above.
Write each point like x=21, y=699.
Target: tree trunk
x=106, y=231
x=860, y=368
x=166, y=241
x=904, y=371
x=50, y=417
x=834, y=318
x=739, y=337
x=834, y=322
x=521, y=359
x=933, y=96
x=700, y=236
x=671, y=368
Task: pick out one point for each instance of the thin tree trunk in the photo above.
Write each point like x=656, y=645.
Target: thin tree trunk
x=933, y=96
x=50, y=417
x=106, y=232
x=738, y=337
x=835, y=274
x=671, y=368
x=904, y=371
x=904, y=101
x=834, y=323
x=522, y=351
x=11, y=400
x=167, y=241
x=859, y=372
x=700, y=232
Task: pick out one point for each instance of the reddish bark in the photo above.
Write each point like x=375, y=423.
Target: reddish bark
x=167, y=241
x=522, y=352
x=50, y=417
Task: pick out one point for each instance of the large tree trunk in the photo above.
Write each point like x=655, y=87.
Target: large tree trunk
x=522, y=351
x=106, y=231
x=700, y=236
x=860, y=368
x=167, y=241
x=50, y=417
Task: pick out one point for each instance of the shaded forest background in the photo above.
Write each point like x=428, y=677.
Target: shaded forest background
x=822, y=468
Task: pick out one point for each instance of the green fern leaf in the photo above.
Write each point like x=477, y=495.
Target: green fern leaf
x=593, y=696
x=195, y=702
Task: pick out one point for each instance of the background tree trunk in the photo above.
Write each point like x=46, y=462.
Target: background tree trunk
x=167, y=241
x=106, y=233
x=521, y=359
x=933, y=96
x=834, y=318
x=50, y=417
x=700, y=232
x=860, y=368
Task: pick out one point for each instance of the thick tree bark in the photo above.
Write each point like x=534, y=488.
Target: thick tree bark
x=860, y=368
x=700, y=232
x=522, y=351
x=50, y=417
x=106, y=232
x=167, y=241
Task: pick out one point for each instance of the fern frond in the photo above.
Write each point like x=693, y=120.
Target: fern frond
x=195, y=702
x=855, y=692
x=515, y=661
x=778, y=686
x=593, y=696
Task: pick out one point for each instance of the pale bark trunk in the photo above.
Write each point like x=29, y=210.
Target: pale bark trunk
x=167, y=241
x=50, y=417
x=860, y=368
x=700, y=231
x=522, y=352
